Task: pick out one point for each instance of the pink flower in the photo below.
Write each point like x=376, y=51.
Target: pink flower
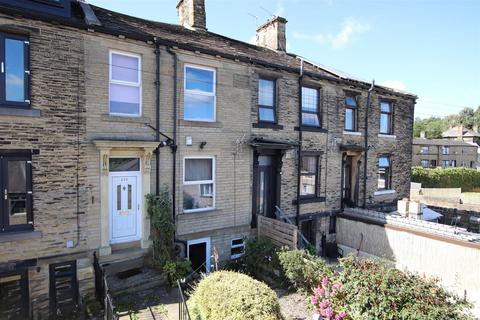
x=328, y=313
x=324, y=304
x=341, y=315
x=319, y=291
x=336, y=286
x=314, y=300
x=325, y=281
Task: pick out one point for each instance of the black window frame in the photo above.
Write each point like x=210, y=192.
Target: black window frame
x=317, y=173
x=308, y=230
x=24, y=290
x=4, y=212
x=27, y=78
x=388, y=173
x=69, y=273
x=318, y=113
x=274, y=107
x=390, y=117
x=354, y=112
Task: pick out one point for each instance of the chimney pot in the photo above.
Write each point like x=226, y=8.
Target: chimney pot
x=272, y=34
x=192, y=14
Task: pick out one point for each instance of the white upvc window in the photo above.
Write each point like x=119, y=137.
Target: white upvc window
x=199, y=94
x=237, y=248
x=198, y=184
x=125, y=87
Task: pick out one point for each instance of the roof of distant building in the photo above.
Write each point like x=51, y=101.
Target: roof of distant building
x=442, y=142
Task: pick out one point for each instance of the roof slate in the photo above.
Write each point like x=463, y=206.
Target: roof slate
x=441, y=142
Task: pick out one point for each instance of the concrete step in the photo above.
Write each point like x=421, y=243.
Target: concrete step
x=123, y=260
x=145, y=279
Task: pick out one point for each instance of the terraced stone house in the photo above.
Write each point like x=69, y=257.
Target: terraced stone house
x=99, y=109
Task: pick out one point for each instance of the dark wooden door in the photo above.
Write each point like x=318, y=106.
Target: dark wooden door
x=347, y=181
x=266, y=187
x=197, y=254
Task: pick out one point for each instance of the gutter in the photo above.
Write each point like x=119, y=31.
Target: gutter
x=300, y=137
x=365, y=165
x=157, y=116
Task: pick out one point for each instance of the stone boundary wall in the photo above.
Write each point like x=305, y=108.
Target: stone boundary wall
x=452, y=198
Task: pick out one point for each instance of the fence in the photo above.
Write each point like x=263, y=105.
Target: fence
x=102, y=291
x=183, y=313
x=280, y=233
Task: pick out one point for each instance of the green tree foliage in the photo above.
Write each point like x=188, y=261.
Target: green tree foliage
x=466, y=178
x=234, y=296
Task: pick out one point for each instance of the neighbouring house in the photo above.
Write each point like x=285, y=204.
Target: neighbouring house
x=444, y=153
x=114, y=107
x=460, y=133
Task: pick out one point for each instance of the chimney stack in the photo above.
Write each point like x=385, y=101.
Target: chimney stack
x=272, y=34
x=192, y=15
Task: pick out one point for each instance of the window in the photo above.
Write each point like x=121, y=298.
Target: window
x=310, y=107
x=124, y=164
x=424, y=150
x=445, y=150
x=63, y=289
x=384, y=181
x=309, y=176
x=125, y=84
x=199, y=104
x=445, y=163
x=454, y=163
x=14, y=298
x=308, y=231
x=351, y=113
x=386, y=117
x=16, y=187
x=266, y=101
x=237, y=249
x=198, y=184
x=425, y=163
x=14, y=54
x=433, y=163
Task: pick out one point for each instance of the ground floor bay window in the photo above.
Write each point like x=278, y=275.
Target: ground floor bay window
x=198, y=184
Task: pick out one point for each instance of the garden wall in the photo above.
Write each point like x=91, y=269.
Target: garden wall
x=438, y=253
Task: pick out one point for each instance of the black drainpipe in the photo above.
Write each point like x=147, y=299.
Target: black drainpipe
x=366, y=146
x=157, y=116
x=174, y=155
x=300, y=137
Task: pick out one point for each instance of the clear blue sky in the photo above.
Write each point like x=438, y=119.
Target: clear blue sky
x=427, y=47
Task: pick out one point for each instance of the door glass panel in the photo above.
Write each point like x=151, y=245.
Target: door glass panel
x=119, y=197
x=14, y=70
x=261, y=194
x=129, y=196
x=124, y=164
x=17, y=192
x=264, y=161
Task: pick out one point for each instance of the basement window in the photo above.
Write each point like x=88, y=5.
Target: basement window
x=200, y=95
x=63, y=289
x=14, y=297
x=199, y=184
x=237, y=248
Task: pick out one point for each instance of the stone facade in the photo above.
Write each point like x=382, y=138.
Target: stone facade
x=432, y=153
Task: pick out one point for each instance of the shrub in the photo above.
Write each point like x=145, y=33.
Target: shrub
x=373, y=290
x=324, y=300
x=303, y=270
x=465, y=178
x=233, y=296
x=176, y=270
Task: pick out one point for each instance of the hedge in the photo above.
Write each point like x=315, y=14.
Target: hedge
x=465, y=178
x=233, y=296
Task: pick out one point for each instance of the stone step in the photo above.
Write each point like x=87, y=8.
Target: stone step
x=145, y=279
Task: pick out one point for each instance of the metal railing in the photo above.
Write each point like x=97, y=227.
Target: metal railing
x=102, y=291
x=183, y=313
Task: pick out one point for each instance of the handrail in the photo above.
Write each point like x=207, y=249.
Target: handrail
x=281, y=216
x=183, y=313
x=103, y=292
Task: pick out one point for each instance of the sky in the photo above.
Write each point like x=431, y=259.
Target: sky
x=427, y=47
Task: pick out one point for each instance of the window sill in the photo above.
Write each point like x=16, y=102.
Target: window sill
x=382, y=192
x=208, y=210
x=116, y=118
x=203, y=124
x=20, y=112
x=352, y=133
x=21, y=235
x=311, y=129
x=309, y=200
x=388, y=136
x=267, y=125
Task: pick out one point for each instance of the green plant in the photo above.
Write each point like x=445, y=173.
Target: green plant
x=177, y=269
x=303, y=270
x=233, y=296
x=374, y=290
x=465, y=178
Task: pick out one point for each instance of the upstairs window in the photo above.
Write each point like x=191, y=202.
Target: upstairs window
x=351, y=111
x=384, y=176
x=198, y=184
x=424, y=150
x=200, y=100
x=310, y=107
x=386, y=112
x=16, y=188
x=309, y=176
x=14, y=91
x=125, y=84
x=266, y=101
x=445, y=150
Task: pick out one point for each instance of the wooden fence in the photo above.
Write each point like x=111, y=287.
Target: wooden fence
x=281, y=233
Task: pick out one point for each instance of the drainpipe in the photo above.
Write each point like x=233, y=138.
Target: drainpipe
x=300, y=137
x=174, y=152
x=157, y=116
x=366, y=146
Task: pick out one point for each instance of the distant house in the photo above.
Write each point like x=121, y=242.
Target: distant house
x=460, y=133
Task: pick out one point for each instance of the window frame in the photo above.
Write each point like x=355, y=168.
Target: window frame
x=388, y=173
x=422, y=162
x=445, y=150
x=318, y=113
x=125, y=83
x=200, y=182
x=24, y=289
x=213, y=94
x=317, y=173
x=422, y=149
x=4, y=212
x=274, y=107
x=234, y=246
x=355, y=113
x=27, y=72
x=390, y=117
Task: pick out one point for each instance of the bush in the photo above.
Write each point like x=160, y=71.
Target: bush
x=373, y=290
x=303, y=270
x=176, y=270
x=465, y=178
x=233, y=296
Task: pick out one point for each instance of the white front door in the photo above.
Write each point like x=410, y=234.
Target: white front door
x=124, y=207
